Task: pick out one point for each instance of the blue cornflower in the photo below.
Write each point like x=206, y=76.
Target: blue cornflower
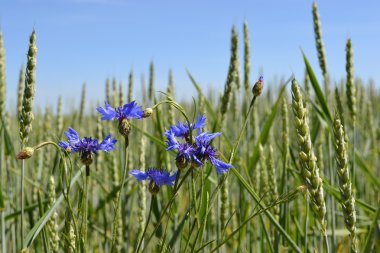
x=185, y=150
x=157, y=177
x=123, y=114
x=204, y=151
x=182, y=130
x=87, y=146
x=127, y=111
x=198, y=152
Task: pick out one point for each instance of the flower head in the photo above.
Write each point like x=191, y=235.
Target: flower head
x=182, y=130
x=258, y=87
x=205, y=151
x=127, y=111
x=123, y=114
x=25, y=153
x=198, y=152
x=157, y=177
x=86, y=146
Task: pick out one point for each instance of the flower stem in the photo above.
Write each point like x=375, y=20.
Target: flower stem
x=84, y=223
x=146, y=225
x=168, y=205
x=114, y=232
x=22, y=201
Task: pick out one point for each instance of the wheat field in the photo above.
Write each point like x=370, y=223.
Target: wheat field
x=291, y=166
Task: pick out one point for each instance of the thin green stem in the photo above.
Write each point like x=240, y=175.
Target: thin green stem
x=126, y=144
x=85, y=212
x=146, y=225
x=326, y=243
x=3, y=244
x=306, y=225
x=22, y=200
x=353, y=154
x=168, y=205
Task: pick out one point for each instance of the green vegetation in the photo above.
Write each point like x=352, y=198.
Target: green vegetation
x=305, y=174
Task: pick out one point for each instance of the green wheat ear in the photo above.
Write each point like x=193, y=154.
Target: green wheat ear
x=3, y=85
x=130, y=86
x=20, y=92
x=247, y=65
x=309, y=168
x=347, y=200
x=264, y=183
x=320, y=47
x=52, y=225
x=108, y=91
x=29, y=91
x=233, y=74
x=142, y=188
x=170, y=92
x=121, y=94
x=82, y=103
x=350, y=85
x=151, y=81
x=59, y=116
x=69, y=233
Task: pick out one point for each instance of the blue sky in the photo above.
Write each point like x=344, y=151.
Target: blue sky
x=90, y=40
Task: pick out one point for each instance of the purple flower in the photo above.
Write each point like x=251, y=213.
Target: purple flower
x=127, y=111
x=197, y=153
x=204, y=151
x=171, y=141
x=87, y=144
x=182, y=130
x=158, y=176
x=86, y=147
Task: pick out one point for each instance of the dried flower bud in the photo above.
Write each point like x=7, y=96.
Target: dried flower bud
x=153, y=187
x=147, y=112
x=258, y=87
x=124, y=127
x=181, y=162
x=26, y=153
x=86, y=158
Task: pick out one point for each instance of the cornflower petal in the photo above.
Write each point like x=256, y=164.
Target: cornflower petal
x=201, y=122
x=66, y=146
x=180, y=130
x=161, y=177
x=206, y=137
x=219, y=165
x=158, y=176
x=171, y=140
x=139, y=175
x=107, y=144
x=109, y=113
x=72, y=136
x=132, y=110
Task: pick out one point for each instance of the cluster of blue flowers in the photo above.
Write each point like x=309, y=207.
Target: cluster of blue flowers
x=87, y=144
x=196, y=153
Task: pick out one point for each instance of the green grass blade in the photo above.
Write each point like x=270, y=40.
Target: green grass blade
x=33, y=233
x=317, y=89
x=273, y=220
x=369, y=175
x=9, y=148
x=371, y=236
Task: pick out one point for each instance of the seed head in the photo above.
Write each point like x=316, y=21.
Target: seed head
x=26, y=153
x=258, y=87
x=147, y=112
